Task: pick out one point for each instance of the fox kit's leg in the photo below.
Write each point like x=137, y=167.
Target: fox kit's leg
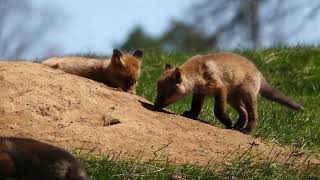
x=251, y=107
x=243, y=118
x=197, y=101
x=237, y=103
x=220, y=108
x=7, y=166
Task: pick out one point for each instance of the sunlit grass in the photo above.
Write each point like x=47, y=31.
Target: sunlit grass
x=244, y=167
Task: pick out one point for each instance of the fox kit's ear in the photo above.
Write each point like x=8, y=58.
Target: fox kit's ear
x=167, y=67
x=116, y=57
x=176, y=76
x=138, y=53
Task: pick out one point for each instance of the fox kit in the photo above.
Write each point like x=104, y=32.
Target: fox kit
x=122, y=71
x=28, y=159
x=229, y=78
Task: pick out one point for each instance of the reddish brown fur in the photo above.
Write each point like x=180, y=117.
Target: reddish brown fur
x=229, y=77
x=122, y=71
x=29, y=159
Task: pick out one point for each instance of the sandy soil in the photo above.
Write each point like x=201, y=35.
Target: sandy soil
x=74, y=112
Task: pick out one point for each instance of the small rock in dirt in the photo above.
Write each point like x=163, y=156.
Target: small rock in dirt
x=109, y=122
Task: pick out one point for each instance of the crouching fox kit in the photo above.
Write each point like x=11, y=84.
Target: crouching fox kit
x=28, y=159
x=229, y=78
x=122, y=71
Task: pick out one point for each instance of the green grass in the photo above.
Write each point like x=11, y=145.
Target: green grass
x=296, y=71
x=110, y=167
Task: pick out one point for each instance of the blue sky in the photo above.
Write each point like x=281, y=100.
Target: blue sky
x=97, y=25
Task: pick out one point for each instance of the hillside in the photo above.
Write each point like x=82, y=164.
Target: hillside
x=74, y=112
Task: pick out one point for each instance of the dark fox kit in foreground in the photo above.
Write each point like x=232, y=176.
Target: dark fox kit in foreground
x=28, y=159
x=226, y=76
x=122, y=71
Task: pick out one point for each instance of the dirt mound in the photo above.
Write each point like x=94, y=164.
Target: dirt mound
x=74, y=112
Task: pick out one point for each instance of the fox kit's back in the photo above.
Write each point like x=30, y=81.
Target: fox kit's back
x=122, y=71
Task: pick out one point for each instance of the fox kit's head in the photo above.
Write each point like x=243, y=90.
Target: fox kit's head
x=125, y=70
x=170, y=87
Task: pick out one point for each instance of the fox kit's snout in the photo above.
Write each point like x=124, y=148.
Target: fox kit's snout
x=169, y=87
x=122, y=71
x=28, y=159
x=229, y=78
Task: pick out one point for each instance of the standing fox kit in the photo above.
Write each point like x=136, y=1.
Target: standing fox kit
x=28, y=159
x=229, y=78
x=122, y=71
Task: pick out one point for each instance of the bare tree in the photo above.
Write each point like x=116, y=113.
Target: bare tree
x=246, y=23
x=23, y=27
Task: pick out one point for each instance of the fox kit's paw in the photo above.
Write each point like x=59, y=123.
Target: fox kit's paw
x=239, y=125
x=239, y=129
x=117, y=89
x=244, y=130
x=189, y=114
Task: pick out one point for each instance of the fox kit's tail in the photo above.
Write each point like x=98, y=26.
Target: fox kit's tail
x=276, y=95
